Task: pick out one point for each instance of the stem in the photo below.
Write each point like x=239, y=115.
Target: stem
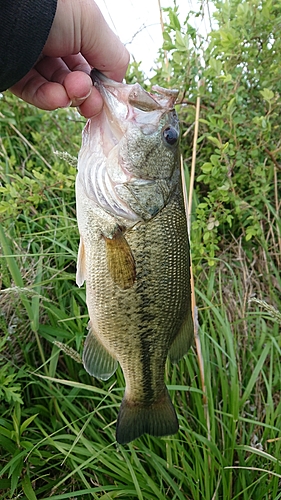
x=163, y=29
x=188, y=206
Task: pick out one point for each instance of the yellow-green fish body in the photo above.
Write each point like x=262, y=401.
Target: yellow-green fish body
x=134, y=253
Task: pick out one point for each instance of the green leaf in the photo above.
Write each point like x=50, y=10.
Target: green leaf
x=5, y=432
x=177, y=57
x=16, y=470
x=267, y=94
x=215, y=141
x=26, y=423
x=174, y=20
x=181, y=42
x=167, y=37
x=14, y=270
x=207, y=167
x=27, y=488
x=259, y=364
x=215, y=65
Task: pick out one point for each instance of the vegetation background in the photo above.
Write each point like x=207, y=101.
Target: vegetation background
x=57, y=424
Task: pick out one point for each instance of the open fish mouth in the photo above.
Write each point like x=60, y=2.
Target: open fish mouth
x=135, y=94
x=115, y=165
x=131, y=103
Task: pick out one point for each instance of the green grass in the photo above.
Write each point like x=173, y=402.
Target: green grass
x=57, y=424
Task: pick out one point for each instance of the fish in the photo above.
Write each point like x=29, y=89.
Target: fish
x=134, y=250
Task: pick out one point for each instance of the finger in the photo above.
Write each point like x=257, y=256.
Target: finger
x=79, y=87
x=36, y=90
x=102, y=48
x=78, y=84
x=92, y=105
x=56, y=68
x=77, y=62
x=69, y=72
x=53, y=69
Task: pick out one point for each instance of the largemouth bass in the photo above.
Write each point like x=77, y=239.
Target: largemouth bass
x=134, y=252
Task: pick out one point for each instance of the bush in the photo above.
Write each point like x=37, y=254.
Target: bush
x=237, y=77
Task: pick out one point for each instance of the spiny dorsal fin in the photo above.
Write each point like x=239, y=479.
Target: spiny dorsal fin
x=96, y=359
x=120, y=260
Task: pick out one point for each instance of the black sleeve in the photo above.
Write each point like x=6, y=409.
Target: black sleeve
x=25, y=25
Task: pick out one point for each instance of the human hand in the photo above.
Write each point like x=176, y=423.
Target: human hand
x=79, y=40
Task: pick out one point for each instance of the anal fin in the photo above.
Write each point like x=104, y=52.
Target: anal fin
x=96, y=359
x=183, y=340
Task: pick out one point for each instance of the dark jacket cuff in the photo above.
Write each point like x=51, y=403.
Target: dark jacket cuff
x=24, y=30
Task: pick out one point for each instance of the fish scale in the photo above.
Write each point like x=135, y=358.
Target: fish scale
x=137, y=275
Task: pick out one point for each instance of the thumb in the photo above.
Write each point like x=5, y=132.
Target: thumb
x=79, y=27
x=101, y=47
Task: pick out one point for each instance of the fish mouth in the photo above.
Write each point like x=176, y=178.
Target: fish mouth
x=125, y=103
x=108, y=179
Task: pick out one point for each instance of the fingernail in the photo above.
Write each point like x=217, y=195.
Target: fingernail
x=89, y=93
x=79, y=100
x=67, y=105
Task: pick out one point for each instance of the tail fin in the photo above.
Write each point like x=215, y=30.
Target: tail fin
x=134, y=419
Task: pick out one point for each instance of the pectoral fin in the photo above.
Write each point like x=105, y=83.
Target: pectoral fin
x=120, y=260
x=183, y=340
x=96, y=359
x=81, y=264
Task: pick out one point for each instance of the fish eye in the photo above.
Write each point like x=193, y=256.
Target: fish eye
x=170, y=135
